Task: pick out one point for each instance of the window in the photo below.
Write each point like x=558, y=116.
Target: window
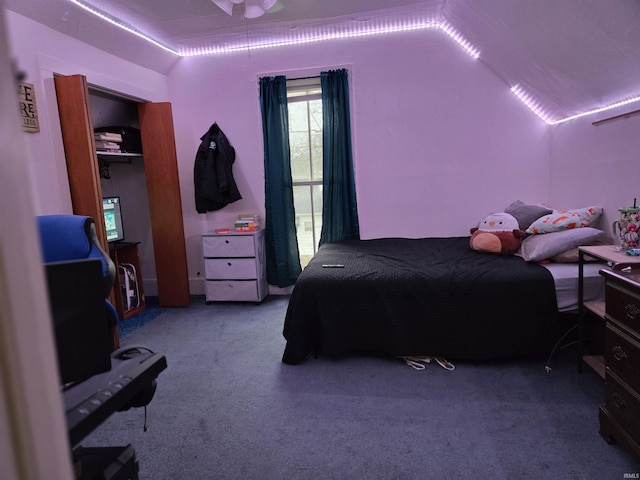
x=336, y=217
x=304, y=98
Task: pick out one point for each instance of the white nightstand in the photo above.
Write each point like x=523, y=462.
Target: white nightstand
x=235, y=267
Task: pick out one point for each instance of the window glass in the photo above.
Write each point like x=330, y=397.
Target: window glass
x=305, y=141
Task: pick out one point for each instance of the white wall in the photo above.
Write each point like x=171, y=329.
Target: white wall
x=439, y=141
x=596, y=165
x=40, y=53
x=33, y=436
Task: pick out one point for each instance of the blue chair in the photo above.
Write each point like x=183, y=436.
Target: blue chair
x=65, y=238
x=73, y=237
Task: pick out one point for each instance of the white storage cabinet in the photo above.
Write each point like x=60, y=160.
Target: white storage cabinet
x=235, y=267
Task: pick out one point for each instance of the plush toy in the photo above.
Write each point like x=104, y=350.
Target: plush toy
x=498, y=233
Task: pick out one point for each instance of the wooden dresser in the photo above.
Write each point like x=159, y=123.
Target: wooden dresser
x=620, y=414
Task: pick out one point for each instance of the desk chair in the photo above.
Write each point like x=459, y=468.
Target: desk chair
x=73, y=237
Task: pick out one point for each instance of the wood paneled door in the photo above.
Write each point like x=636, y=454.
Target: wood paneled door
x=163, y=189
x=80, y=150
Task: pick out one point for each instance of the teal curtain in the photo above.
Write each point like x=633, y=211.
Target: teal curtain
x=283, y=259
x=339, y=206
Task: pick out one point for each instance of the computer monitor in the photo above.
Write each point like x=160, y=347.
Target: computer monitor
x=113, y=219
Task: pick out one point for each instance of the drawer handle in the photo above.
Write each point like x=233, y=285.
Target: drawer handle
x=226, y=241
x=632, y=311
x=619, y=353
x=619, y=401
x=229, y=263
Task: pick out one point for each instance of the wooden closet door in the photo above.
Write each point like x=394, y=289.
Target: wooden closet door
x=72, y=93
x=165, y=204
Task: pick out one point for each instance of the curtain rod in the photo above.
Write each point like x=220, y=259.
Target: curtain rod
x=623, y=115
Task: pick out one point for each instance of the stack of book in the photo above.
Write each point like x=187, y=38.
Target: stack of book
x=107, y=141
x=247, y=223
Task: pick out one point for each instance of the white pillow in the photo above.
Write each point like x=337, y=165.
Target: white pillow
x=546, y=245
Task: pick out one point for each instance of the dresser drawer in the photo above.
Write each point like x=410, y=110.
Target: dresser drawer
x=622, y=355
x=232, y=291
x=230, y=268
x=623, y=404
x=623, y=306
x=228, y=246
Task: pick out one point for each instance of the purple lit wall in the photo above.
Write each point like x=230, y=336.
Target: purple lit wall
x=439, y=140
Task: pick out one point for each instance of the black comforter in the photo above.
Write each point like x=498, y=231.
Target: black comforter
x=430, y=296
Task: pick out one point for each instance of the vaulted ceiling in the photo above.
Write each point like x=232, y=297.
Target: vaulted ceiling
x=566, y=56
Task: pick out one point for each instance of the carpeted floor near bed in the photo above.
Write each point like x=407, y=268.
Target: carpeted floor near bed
x=227, y=408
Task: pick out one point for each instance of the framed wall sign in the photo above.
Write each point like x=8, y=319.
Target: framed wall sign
x=28, y=108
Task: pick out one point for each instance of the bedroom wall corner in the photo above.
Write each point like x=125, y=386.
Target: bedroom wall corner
x=37, y=51
x=596, y=164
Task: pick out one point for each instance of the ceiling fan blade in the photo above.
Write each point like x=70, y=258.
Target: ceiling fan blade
x=225, y=5
x=256, y=8
x=267, y=4
x=253, y=9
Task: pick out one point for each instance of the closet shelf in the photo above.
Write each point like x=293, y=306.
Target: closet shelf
x=118, y=157
x=118, y=154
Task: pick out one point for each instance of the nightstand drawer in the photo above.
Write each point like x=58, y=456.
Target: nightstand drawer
x=230, y=268
x=623, y=306
x=232, y=291
x=228, y=246
x=622, y=355
x=623, y=404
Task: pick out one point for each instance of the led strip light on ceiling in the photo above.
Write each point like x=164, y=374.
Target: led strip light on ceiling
x=471, y=50
x=119, y=24
x=353, y=33
x=530, y=102
x=314, y=37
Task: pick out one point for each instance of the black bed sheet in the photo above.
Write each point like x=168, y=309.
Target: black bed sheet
x=428, y=296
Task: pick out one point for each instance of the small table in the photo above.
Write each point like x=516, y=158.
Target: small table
x=611, y=255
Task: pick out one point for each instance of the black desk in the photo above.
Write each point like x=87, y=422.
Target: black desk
x=91, y=402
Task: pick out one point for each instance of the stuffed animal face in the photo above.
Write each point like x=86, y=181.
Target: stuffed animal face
x=499, y=222
x=497, y=233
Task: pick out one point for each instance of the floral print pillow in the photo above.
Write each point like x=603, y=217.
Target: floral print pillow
x=565, y=220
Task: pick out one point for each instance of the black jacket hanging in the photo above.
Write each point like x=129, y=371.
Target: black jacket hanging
x=212, y=172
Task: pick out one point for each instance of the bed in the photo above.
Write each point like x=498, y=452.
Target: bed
x=419, y=297
x=565, y=279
